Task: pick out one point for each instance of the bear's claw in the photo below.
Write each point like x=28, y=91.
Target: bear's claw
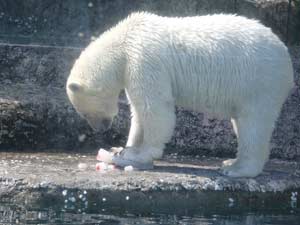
x=118, y=160
x=116, y=157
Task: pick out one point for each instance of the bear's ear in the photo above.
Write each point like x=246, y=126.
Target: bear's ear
x=75, y=87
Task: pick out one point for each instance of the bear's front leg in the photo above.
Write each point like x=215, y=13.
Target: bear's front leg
x=151, y=127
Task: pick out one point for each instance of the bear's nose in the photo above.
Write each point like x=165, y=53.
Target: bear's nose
x=101, y=125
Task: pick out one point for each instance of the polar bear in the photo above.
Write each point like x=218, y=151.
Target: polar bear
x=226, y=65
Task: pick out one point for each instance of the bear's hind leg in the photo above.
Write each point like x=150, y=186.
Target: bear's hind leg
x=254, y=133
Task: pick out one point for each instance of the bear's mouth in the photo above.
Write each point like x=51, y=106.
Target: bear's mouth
x=100, y=125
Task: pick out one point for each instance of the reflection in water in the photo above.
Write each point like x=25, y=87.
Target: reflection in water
x=10, y=214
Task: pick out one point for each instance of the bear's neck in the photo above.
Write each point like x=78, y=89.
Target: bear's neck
x=109, y=55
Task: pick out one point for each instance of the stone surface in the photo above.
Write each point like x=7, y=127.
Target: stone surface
x=36, y=114
x=54, y=177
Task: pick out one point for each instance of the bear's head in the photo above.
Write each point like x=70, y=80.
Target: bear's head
x=93, y=88
x=97, y=108
x=95, y=82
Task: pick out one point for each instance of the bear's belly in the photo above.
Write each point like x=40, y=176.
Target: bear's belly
x=220, y=106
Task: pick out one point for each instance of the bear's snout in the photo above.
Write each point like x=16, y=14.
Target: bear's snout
x=101, y=125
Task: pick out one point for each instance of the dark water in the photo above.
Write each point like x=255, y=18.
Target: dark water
x=13, y=214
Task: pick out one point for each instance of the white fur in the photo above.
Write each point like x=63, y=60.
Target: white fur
x=226, y=65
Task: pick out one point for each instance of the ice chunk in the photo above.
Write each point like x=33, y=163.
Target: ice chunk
x=82, y=166
x=102, y=166
x=128, y=168
x=104, y=156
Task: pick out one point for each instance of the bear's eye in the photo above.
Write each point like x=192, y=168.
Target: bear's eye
x=74, y=87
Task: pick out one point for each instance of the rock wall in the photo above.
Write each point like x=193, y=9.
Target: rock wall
x=75, y=22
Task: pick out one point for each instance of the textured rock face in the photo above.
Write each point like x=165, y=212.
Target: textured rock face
x=36, y=114
x=34, y=109
x=74, y=22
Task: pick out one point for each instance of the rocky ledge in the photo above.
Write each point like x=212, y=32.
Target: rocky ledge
x=55, y=178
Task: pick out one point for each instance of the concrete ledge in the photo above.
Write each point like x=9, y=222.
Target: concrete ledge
x=39, y=178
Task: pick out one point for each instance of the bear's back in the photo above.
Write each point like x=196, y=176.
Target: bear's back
x=211, y=32
x=228, y=56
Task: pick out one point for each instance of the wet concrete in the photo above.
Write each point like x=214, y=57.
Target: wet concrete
x=43, y=178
